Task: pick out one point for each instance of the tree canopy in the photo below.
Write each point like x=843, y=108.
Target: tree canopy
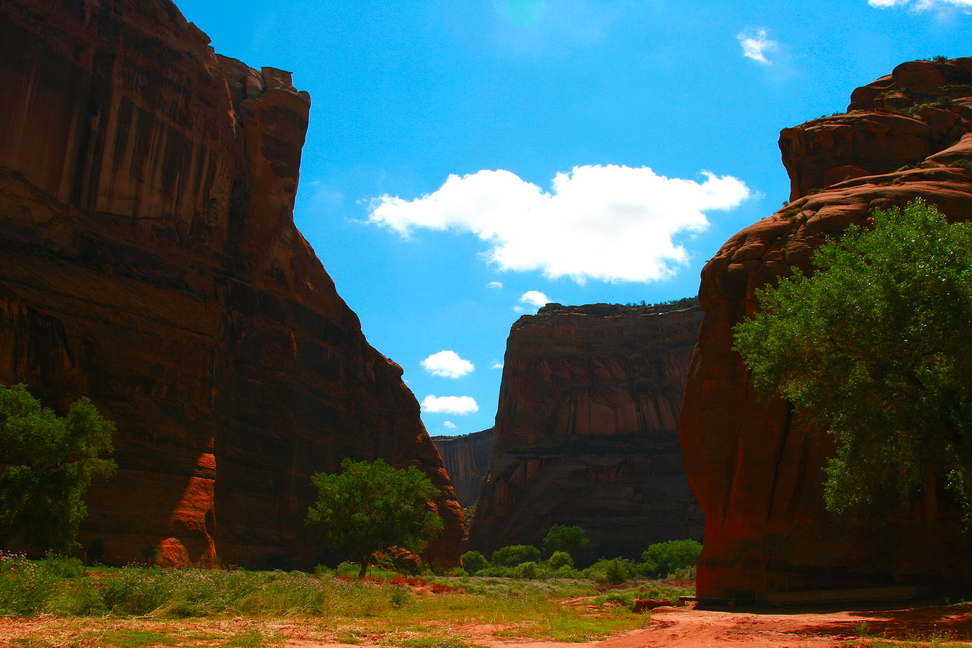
x=46, y=465
x=876, y=348
x=560, y=537
x=664, y=558
x=371, y=506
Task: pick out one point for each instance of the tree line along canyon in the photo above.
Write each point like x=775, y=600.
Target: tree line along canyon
x=150, y=261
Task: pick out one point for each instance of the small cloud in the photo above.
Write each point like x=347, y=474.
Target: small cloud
x=534, y=298
x=447, y=364
x=917, y=6
x=461, y=405
x=518, y=309
x=494, y=284
x=755, y=45
x=496, y=365
x=450, y=425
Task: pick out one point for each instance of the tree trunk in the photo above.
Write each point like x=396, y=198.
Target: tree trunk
x=365, y=561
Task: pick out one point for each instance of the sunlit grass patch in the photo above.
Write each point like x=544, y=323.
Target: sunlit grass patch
x=134, y=638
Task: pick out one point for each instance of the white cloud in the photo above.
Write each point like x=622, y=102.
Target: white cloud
x=611, y=223
x=922, y=5
x=755, y=45
x=461, y=405
x=534, y=298
x=447, y=364
x=494, y=284
x=450, y=425
x=496, y=365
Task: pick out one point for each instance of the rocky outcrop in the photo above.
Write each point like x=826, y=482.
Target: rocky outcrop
x=149, y=260
x=466, y=459
x=586, y=430
x=755, y=467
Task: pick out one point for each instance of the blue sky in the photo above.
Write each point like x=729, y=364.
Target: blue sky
x=468, y=159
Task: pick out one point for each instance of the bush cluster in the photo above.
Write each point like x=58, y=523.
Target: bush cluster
x=673, y=559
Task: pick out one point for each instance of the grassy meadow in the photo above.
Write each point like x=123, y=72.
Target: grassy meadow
x=57, y=602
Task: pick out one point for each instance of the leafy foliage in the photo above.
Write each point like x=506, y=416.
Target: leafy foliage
x=371, y=506
x=611, y=570
x=46, y=465
x=663, y=558
x=876, y=349
x=560, y=559
x=474, y=561
x=572, y=539
x=515, y=555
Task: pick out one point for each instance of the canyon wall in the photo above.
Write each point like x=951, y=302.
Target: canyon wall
x=755, y=466
x=466, y=459
x=587, y=430
x=149, y=261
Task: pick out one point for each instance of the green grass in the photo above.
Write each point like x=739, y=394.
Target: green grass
x=134, y=606
x=135, y=638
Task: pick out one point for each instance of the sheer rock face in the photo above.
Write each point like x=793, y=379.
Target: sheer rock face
x=586, y=431
x=466, y=459
x=754, y=466
x=150, y=261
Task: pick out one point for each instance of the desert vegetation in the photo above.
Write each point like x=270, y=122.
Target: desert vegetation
x=59, y=602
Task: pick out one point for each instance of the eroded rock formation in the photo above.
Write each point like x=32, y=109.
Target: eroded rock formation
x=755, y=467
x=149, y=260
x=587, y=430
x=466, y=459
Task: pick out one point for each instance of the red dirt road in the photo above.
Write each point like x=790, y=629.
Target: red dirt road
x=695, y=628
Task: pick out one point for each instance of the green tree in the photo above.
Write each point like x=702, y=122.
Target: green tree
x=371, y=506
x=46, y=465
x=473, y=561
x=572, y=539
x=560, y=559
x=515, y=555
x=876, y=348
x=663, y=558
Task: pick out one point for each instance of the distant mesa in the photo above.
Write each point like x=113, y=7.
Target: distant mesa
x=587, y=430
x=466, y=459
x=756, y=467
x=150, y=262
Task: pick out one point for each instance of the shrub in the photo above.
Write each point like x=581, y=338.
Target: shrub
x=530, y=570
x=613, y=570
x=669, y=557
x=24, y=586
x=515, y=555
x=473, y=561
x=566, y=572
x=570, y=539
x=560, y=559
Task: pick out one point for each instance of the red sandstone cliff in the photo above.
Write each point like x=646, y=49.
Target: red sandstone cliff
x=586, y=430
x=755, y=468
x=149, y=260
x=466, y=459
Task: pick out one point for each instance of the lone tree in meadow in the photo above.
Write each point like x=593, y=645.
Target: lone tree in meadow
x=46, y=465
x=876, y=348
x=371, y=506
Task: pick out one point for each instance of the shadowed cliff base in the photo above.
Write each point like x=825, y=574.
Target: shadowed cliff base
x=150, y=262
x=755, y=466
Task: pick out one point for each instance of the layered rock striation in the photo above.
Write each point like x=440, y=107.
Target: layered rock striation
x=150, y=261
x=587, y=430
x=466, y=459
x=756, y=467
